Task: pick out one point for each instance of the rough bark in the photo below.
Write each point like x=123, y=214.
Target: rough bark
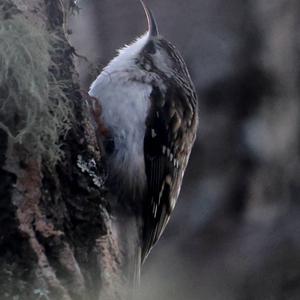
x=235, y=231
x=55, y=232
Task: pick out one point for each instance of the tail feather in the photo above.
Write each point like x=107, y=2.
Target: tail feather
x=128, y=231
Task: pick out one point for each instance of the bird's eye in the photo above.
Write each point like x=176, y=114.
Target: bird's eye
x=109, y=145
x=150, y=48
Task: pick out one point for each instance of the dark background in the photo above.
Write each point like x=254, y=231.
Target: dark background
x=235, y=232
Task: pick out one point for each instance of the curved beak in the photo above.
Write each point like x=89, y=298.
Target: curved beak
x=152, y=25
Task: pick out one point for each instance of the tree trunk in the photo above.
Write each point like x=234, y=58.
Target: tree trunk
x=55, y=234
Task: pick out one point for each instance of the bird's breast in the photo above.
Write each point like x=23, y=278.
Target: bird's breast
x=125, y=105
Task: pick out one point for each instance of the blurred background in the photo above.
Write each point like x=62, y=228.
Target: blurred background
x=235, y=232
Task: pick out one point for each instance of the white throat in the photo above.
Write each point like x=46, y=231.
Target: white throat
x=125, y=60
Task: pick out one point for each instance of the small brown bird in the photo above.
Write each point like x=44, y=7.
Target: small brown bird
x=149, y=106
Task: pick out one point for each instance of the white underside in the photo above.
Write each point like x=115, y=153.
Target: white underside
x=125, y=109
x=124, y=99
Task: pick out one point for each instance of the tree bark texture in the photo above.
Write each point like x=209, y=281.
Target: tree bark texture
x=55, y=232
x=235, y=231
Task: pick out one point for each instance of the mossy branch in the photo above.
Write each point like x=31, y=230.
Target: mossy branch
x=55, y=232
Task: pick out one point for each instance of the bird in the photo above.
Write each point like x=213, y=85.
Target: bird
x=150, y=110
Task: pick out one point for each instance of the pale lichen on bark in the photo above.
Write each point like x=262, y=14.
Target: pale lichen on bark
x=56, y=240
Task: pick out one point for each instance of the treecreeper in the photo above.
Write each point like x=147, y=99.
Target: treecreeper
x=149, y=107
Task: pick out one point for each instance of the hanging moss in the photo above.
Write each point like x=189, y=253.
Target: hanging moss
x=34, y=110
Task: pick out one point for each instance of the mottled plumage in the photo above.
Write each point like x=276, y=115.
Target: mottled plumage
x=150, y=109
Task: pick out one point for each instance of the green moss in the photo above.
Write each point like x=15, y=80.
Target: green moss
x=34, y=110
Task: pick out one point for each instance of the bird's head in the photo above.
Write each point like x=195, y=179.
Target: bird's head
x=149, y=53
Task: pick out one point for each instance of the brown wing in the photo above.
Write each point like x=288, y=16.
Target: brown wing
x=170, y=132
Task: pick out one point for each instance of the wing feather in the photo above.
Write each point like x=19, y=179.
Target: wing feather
x=164, y=139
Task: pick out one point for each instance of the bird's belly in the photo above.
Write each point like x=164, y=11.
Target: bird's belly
x=124, y=111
